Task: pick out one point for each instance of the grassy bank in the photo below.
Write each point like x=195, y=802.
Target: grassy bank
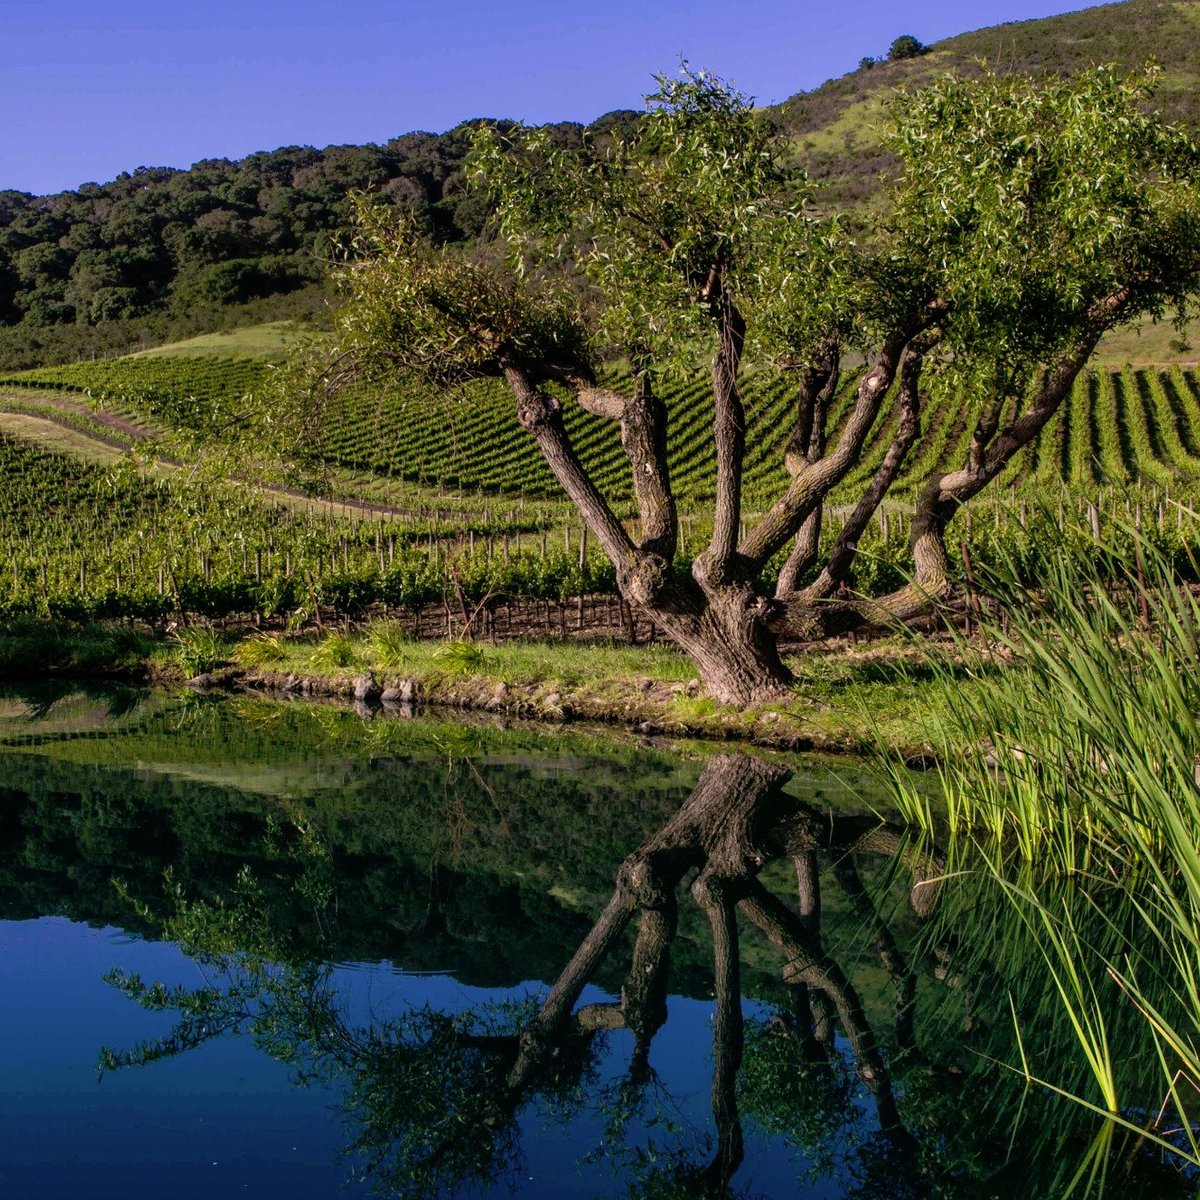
x=846, y=698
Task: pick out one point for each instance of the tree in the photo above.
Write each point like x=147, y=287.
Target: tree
x=1025, y=218
x=905, y=46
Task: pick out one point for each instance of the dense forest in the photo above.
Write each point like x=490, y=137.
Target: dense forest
x=160, y=252
x=188, y=246
x=222, y=232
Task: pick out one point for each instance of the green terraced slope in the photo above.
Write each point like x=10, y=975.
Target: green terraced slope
x=1132, y=425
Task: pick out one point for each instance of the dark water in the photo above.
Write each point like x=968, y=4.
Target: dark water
x=356, y=927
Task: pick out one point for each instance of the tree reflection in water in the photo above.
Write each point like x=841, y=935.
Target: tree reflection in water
x=433, y=1100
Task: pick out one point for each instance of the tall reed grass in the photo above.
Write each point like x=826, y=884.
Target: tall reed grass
x=1069, y=769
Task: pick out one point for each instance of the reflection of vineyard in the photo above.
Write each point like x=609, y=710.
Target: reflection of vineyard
x=88, y=541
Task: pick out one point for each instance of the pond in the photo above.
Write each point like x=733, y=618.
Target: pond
x=265, y=948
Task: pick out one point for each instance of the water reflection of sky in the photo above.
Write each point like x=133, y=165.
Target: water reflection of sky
x=226, y=1119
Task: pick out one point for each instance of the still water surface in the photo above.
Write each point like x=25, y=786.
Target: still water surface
x=357, y=926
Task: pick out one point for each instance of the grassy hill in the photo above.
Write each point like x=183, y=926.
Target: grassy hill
x=838, y=127
x=268, y=341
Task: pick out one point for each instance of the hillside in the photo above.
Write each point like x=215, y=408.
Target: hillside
x=838, y=127
x=158, y=253
x=1127, y=422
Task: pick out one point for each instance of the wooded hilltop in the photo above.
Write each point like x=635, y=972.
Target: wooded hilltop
x=159, y=253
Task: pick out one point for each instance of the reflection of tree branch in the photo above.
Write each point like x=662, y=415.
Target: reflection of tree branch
x=644, y=994
x=894, y=962
x=734, y=820
x=807, y=963
x=808, y=888
x=716, y=897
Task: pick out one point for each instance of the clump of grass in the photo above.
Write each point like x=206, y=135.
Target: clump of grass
x=1080, y=762
x=693, y=708
x=109, y=647
x=198, y=650
x=461, y=658
x=28, y=645
x=1092, y=730
x=388, y=644
x=260, y=650
x=333, y=651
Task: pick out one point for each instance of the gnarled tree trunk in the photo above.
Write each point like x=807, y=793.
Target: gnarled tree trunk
x=719, y=613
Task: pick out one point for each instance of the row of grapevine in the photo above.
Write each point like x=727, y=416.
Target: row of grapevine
x=193, y=394
x=1127, y=426
x=86, y=542
x=1135, y=425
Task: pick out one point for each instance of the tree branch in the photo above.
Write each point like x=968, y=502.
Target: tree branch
x=644, y=438
x=817, y=388
x=845, y=548
x=601, y=402
x=811, y=484
x=945, y=494
x=541, y=414
x=729, y=432
x=643, y=421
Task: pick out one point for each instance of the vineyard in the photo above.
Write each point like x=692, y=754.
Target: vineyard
x=85, y=542
x=1117, y=427
x=194, y=395
x=82, y=540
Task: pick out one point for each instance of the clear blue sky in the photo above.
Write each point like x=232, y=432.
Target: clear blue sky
x=90, y=89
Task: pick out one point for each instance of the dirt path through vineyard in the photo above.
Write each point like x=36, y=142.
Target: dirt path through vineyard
x=53, y=427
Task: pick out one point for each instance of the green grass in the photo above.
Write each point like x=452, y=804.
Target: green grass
x=849, y=698
x=1149, y=344
x=525, y=663
x=270, y=340
x=846, y=699
x=36, y=429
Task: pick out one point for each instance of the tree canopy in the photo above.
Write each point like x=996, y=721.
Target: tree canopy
x=905, y=46
x=1026, y=217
